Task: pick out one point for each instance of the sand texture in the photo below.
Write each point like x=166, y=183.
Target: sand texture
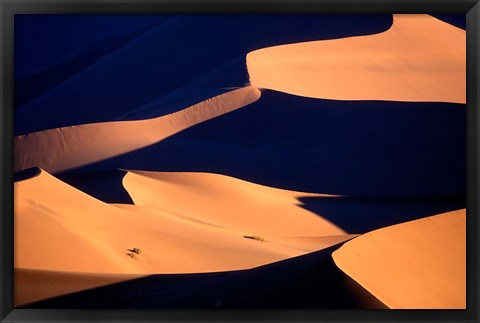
x=417, y=264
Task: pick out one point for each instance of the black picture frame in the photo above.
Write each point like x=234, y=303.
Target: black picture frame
x=8, y=8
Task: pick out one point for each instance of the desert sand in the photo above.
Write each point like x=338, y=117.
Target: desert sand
x=142, y=70
x=228, y=202
x=420, y=58
x=179, y=235
x=37, y=285
x=216, y=230
x=65, y=148
x=413, y=265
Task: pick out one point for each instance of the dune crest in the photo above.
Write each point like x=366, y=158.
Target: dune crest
x=419, y=264
x=420, y=58
x=61, y=149
x=62, y=233
x=228, y=202
x=51, y=219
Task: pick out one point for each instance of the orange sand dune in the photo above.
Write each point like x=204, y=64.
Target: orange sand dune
x=231, y=203
x=420, y=58
x=64, y=234
x=65, y=148
x=59, y=228
x=414, y=265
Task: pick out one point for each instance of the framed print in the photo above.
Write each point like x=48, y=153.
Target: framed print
x=239, y=161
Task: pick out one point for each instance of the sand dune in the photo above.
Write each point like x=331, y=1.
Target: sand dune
x=165, y=59
x=417, y=264
x=227, y=202
x=212, y=240
x=65, y=148
x=323, y=146
x=61, y=232
x=420, y=58
x=307, y=281
x=60, y=228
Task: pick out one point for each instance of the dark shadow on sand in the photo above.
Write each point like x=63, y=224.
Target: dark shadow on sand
x=103, y=185
x=309, y=281
x=364, y=214
x=170, y=56
x=457, y=20
x=355, y=148
x=32, y=86
x=26, y=174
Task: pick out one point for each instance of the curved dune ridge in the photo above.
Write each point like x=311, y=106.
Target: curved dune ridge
x=60, y=228
x=65, y=148
x=62, y=233
x=227, y=202
x=420, y=58
x=203, y=222
x=414, y=265
x=161, y=60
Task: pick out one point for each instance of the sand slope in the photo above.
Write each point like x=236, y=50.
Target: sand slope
x=417, y=264
x=216, y=229
x=61, y=149
x=323, y=146
x=420, y=58
x=165, y=59
x=61, y=232
x=307, y=281
x=60, y=228
x=227, y=202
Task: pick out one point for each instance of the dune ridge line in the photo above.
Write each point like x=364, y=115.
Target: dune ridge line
x=418, y=264
x=61, y=149
x=419, y=59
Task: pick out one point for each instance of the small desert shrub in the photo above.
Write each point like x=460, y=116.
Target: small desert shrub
x=258, y=238
x=132, y=255
x=137, y=251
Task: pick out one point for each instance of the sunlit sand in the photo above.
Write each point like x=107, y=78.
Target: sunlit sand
x=65, y=148
x=417, y=264
x=67, y=241
x=60, y=229
x=420, y=58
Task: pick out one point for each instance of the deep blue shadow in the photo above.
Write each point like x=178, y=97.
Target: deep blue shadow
x=26, y=174
x=354, y=148
x=169, y=57
x=205, y=87
x=45, y=40
x=459, y=20
x=364, y=214
x=32, y=86
x=309, y=281
x=103, y=185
